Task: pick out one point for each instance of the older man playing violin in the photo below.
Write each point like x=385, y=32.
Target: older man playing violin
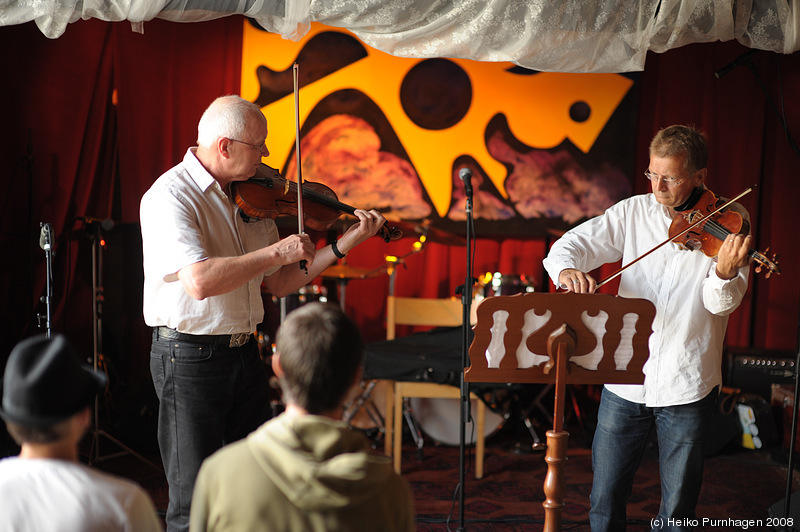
x=693, y=294
x=204, y=264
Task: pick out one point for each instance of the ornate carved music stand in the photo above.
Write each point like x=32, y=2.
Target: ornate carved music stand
x=560, y=339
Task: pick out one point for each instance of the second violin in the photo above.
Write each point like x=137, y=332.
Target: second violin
x=705, y=226
x=268, y=195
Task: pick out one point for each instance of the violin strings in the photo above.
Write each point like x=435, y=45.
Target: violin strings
x=716, y=230
x=327, y=201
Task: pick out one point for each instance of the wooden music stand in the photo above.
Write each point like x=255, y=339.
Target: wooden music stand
x=560, y=339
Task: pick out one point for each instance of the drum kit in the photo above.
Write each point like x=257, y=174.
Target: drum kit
x=437, y=418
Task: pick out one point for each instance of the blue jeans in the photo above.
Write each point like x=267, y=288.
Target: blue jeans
x=619, y=445
x=208, y=397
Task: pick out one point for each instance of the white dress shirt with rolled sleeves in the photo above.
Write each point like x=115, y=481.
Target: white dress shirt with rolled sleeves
x=692, y=302
x=186, y=218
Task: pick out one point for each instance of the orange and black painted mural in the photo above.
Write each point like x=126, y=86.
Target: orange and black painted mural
x=546, y=149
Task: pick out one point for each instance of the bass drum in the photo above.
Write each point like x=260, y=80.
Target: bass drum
x=440, y=419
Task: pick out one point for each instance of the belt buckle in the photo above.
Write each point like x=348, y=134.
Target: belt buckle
x=239, y=339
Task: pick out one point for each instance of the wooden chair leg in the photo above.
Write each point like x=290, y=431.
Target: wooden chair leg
x=394, y=427
x=388, y=420
x=397, y=449
x=480, y=442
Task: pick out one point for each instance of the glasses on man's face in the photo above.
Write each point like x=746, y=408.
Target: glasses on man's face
x=669, y=181
x=259, y=146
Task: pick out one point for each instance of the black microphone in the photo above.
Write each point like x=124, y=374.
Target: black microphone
x=466, y=176
x=106, y=224
x=741, y=60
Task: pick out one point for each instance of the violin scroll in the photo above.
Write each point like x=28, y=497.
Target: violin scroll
x=763, y=261
x=390, y=234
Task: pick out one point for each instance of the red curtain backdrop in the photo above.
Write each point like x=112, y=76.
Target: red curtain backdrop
x=91, y=119
x=748, y=147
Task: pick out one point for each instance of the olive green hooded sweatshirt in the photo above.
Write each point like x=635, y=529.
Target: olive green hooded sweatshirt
x=300, y=473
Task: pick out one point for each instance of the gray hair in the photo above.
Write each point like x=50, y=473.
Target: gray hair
x=678, y=140
x=226, y=117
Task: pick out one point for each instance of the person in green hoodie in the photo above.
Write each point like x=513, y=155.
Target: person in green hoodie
x=305, y=470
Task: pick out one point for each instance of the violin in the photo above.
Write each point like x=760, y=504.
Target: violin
x=268, y=194
x=704, y=227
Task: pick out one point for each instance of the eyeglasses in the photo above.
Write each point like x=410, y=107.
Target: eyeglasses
x=258, y=146
x=669, y=181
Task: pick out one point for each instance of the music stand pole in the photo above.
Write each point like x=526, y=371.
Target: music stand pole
x=466, y=301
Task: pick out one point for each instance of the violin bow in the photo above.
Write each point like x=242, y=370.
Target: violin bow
x=300, y=225
x=667, y=241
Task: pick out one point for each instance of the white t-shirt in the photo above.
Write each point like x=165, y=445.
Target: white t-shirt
x=42, y=495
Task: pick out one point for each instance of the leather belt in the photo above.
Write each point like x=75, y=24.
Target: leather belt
x=217, y=340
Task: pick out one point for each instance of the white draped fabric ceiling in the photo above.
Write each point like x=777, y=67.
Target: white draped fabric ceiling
x=544, y=35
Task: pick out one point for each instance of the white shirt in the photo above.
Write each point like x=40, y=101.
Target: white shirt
x=692, y=302
x=41, y=495
x=186, y=218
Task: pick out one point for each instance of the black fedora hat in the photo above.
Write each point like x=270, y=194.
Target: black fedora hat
x=45, y=382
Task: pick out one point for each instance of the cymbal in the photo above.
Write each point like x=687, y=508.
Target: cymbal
x=432, y=234
x=345, y=271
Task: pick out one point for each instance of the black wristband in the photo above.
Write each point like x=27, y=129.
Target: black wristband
x=336, y=251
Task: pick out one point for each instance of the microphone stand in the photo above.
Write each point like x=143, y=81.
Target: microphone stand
x=94, y=232
x=46, y=243
x=466, y=301
x=787, y=500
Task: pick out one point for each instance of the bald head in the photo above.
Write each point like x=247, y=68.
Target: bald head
x=227, y=116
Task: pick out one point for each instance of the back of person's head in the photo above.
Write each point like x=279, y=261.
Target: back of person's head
x=321, y=352
x=226, y=117
x=45, y=384
x=679, y=140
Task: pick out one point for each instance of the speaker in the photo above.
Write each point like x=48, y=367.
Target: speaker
x=756, y=370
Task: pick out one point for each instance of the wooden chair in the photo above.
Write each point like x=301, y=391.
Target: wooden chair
x=438, y=313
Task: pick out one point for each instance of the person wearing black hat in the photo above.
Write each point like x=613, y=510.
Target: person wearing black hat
x=47, y=395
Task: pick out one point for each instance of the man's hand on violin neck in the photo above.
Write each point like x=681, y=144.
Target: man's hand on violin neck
x=733, y=255
x=577, y=281
x=369, y=223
